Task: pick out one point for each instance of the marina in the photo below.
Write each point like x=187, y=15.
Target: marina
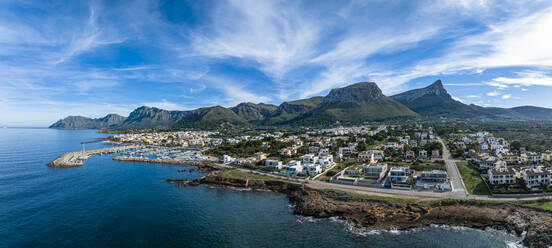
x=73, y=159
x=164, y=153
x=136, y=153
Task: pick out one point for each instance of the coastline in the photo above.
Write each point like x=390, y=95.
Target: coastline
x=365, y=211
x=378, y=213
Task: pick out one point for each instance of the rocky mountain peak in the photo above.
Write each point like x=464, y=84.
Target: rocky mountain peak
x=436, y=88
x=358, y=93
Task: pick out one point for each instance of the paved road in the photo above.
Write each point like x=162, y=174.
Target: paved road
x=458, y=186
x=460, y=192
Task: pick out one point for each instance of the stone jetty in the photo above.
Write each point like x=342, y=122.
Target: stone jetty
x=73, y=159
x=162, y=161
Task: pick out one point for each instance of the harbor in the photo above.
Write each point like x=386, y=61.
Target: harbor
x=136, y=153
x=74, y=159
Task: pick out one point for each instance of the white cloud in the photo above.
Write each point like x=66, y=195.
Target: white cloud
x=521, y=40
x=527, y=78
x=498, y=85
x=199, y=89
x=524, y=89
x=234, y=92
x=457, y=99
x=493, y=93
x=282, y=39
x=303, y=52
x=276, y=35
x=506, y=96
x=164, y=104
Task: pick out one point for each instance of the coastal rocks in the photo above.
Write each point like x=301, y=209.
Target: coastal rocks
x=375, y=214
x=378, y=214
x=179, y=181
x=276, y=186
x=184, y=182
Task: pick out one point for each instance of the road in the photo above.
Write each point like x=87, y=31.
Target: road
x=395, y=193
x=458, y=187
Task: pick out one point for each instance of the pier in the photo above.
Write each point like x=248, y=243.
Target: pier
x=73, y=159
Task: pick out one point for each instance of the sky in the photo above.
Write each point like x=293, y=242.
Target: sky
x=90, y=58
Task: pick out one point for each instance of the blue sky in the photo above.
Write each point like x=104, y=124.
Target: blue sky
x=60, y=58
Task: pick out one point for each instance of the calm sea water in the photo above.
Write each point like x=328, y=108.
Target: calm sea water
x=113, y=204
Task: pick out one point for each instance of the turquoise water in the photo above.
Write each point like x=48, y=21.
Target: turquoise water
x=113, y=204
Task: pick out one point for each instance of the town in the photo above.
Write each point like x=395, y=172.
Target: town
x=385, y=156
x=401, y=157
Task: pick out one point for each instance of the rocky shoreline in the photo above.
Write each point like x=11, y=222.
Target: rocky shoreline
x=375, y=214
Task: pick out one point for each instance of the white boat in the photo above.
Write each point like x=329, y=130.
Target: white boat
x=83, y=157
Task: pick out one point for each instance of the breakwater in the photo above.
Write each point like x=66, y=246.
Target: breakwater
x=73, y=159
x=162, y=161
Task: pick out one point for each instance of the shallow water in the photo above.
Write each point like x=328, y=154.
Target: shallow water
x=119, y=204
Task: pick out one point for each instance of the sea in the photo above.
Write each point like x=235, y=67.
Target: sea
x=121, y=204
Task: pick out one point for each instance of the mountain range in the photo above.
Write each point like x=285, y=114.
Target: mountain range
x=352, y=104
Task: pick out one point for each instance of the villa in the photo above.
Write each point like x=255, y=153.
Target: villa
x=366, y=157
x=502, y=175
x=273, y=164
x=399, y=173
x=536, y=176
x=375, y=170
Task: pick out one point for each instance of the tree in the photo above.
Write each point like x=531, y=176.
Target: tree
x=516, y=145
x=390, y=152
x=362, y=146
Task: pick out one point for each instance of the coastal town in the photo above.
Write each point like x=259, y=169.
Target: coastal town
x=395, y=157
x=402, y=172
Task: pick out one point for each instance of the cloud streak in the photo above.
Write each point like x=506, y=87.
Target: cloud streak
x=263, y=51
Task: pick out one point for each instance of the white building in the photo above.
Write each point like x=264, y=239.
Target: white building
x=375, y=170
x=484, y=147
x=227, y=159
x=534, y=157
x=293, y=167
x=502, y=175
x=399, y=173
x=326, y=161
x=536, y=176
x=422, y=154
x=393, y=145
x=323, y=151
x=309, y=159
x=313, y=169
x=345, y=150
x=378, y=154
x=433, y=176
x=501, y=150
x=273, y=164
x=366, y=157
